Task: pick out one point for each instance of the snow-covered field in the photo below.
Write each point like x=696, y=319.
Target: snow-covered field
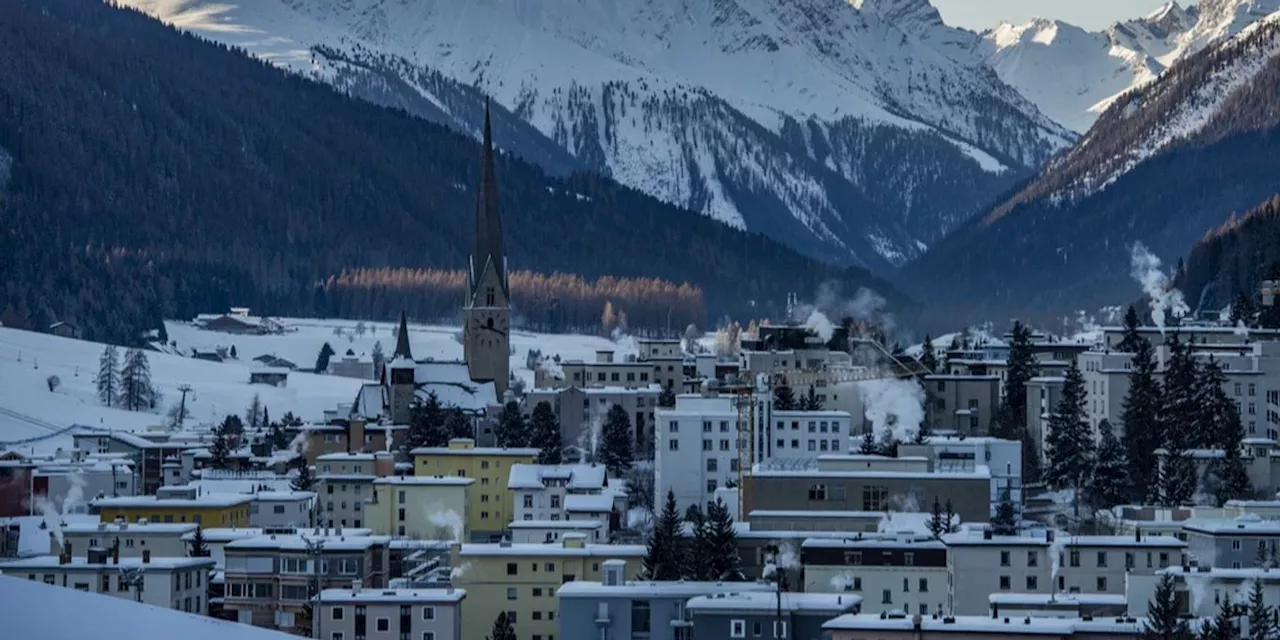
x=28, y=410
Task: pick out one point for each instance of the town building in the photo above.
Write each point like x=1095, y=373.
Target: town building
x=217, y=539
x=873, y=627
x=1200, y=591
x=666, y=355
x=344, y=482
x=522, y=580
x=173, y=583
x=754, y=614
x=867, y=483
x=1101, y=564
x=950, y=453
x=178, y=504
x=1043, y=395
x=421, y=507
x=282, y=509
x=352, y=365
x=388, y=614
x=267, y=577
x=1059, y=605
x=615, y=607
x=1239, y=543
x=238, y=321
x=582, y=411
x=962, y=404
x=563, y=492
x=490, y=503
x=270, y=376
x=149, y=455
x=347, y=435
x=553, y=531
x=128, y=539
x=980, y=564
x=899, y=573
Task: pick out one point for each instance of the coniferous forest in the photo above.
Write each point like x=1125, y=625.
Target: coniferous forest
x=147, y=174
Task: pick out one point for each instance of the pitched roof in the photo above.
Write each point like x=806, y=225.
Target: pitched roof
x=488, y=251
x=402, y=340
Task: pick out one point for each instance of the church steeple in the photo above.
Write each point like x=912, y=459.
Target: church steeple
x=488, y=251
x=402, y=340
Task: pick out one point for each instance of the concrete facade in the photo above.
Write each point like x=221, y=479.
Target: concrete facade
x=582, y=410
x=491, y=504
x=1240, y=543
x=963, y=404
x=421, y=507
x=344, y=484
x=282, y=509
x=1101, y=564
x=389, y=614
x=162, y=540
x=981, y=564
x=1002, y=458
x=906, y=573
x=172, y=583
x=728, y=616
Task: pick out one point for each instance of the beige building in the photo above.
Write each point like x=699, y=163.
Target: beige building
x=604, y=371
x=162, y=540
x=981, y=564
x=389, y=614
x=1100, y=564
x=873, y=627
x=490, y=501
x=907, y=572
x=344, y=484
x=666, y=356
x=866, y=483
x=582, y=411
x=348, y=435
x=421, y=507
x=267, y=577
x=522, y=579
x=172, y=583
x=961, y=403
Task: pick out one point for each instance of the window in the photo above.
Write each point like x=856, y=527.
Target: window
x=923, y=585
x=724, y=444
x=673, y=427
x=712, y=463
x=337, y=635
x=906, y=585
x=1102, y=583
x=1004, y=558
x=550, y=567
x=706, y=445
x=384, y=624
x=886, y=596
x=428, y=613
x=512, y=569
x=711, y=485
x=1128, y=560
x=817, y=492
x=336, y=613
x=511, y=593
x=1033, y=558
x=639, y=618
x=737, y=628
x=1005, y=583
x=1031, y=583
x=1164, y=559
x=780, y=629
x=875, y=498
x=428, y=635
x=1102, y=558
x=724, y=426
x=813, y=426
x=853, y=557
x=673, y=445
x=909, y=558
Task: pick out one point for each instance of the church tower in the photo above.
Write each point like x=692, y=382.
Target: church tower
x=486, y=313
x=403, y=387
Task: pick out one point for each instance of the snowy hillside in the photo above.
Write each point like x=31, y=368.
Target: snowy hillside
x=858, y=131
x=1073, y=75
x=28, y=410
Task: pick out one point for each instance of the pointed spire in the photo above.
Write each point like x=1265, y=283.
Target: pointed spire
x=402, y=339
x=488, y=247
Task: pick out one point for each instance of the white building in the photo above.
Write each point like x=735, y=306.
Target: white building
x=172, y=583
x=554, y=531
x=900, y=572
x=390, y=614
x=539, y=491
x=1201, y=589
x=162, y=540
x=281, y=509
x=1101, y=564
x=344, y=483
x=950, y=454
x=980, y=564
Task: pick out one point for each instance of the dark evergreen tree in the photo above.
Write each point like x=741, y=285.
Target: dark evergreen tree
x=667, y=399
x=665, y=553
x=1220, y=428
x=220, y=449
x=888, y=444
x=928, y=358
x=1179, y=414
x=457, y=424
x=867, y=445
x=502, y=628
x=253, y=414
x=234, y=355
x=266, y=416
x=108, y=378
x=162, y=334
x=379, y=359
x=1243, y=311
x=724, y=563
x=1141, y=418
x=1069, y=446
x=512, y=429
x=1011, y=420
x=427, y=424
x=1263, y=624
x=279, y=439
x=1005, y=522
x=234, y=428
x=198, y=548
x=922, y=434
x=322, y=360
x=1163, y=621
x=305, y=479
x=615, y=443
x=1109, y=482
x=811, y=401
x=136, y=392
x=698, y=551
x=1131, y=338
x=544, y=434
x=1222, y=626
x=939, y=524
x=784, y=397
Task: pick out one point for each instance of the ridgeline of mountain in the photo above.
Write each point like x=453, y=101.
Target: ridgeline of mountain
x=150, y=173
x=1163, y=165
x=859, y=132
x=1234, y=258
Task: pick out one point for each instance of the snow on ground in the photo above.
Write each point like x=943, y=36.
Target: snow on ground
x=28, y=410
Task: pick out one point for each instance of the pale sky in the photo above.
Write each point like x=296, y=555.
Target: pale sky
x=1090, y=14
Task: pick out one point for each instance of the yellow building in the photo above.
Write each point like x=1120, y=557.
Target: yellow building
x=491, y=505
x=522, y=579
x=208, y=510
x=421, y=507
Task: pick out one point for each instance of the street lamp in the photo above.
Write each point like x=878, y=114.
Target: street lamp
x=315, y=547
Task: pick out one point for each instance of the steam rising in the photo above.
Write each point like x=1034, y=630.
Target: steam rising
x=1146, y=269
x=449, y=520
x=787, y=559
x=866, y=305
x=893, y=405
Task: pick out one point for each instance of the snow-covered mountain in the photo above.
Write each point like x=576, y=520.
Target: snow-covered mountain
x=856, y=130
x=1073, y=75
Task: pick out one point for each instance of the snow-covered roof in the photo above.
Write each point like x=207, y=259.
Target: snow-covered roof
x=811, y=415
x=1218, y=573
x=343, y=542
x=228, y=534
x=984, y=625
x=680, y=590
x=540, y=550
x=769, y=601
x=106, y=618
x=874, y=543
x=346, y=457
x=975, y=538
x=1065, y=599
x=138, y=527
x=371, y=400
x=34, y=540
x=523, y=452
x=567, y=525
x=580, y=477
x=424, y=481
x=391, y=596
x=597, y=503
x=800, y=513
x=452, y=384
x=1249, y=523
x=281, y=496
x=980, y=472
x=81, y=563
x=1123, y=541
x=208, y=500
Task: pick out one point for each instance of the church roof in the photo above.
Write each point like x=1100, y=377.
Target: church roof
x=488, y=252
x=402, y=340
x=452, y=384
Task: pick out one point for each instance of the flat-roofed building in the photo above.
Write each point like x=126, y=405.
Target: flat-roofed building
x=205, y=509
x=172, y=583
x=421, y=507
x=389, y=614
x=872, y=627
x=980, y=564
x=582, y=410
x=344, y=482
x=282, y=509
x=1238, y=543
x=959, y=403
x=491, y=503
x=1101, y=564
x=904, y=572
x=162, y=540
x=754, y=614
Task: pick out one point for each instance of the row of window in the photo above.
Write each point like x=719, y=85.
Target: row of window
x=813, y=445
x=874, y=498
x=738, y=629
x=426, y=635
x=613, y=376
x=340, y=613
x=513, y=568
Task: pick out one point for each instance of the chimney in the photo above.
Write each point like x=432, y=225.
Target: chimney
x=146, y=556
x=356, y=586
x=355, y=435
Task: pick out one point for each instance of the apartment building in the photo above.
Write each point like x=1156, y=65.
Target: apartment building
x=1043, y=395
x=388, y=614
x=131, y=539
x=282, y=509
x=905, y=572
x=267, y=577
x=421, y=507
x=491, y=504
x=1100, y=564
x=1199, y=591
x=149, y=454
x=1242, y=542
x=871, y=627
x=755, y=614
x=867, y=483
x=615, y=607
x=582, y=411
x=216, y=540
x=344, y=482
x=522, y=580
x=951, y=453
x=349, y=435
x=980, y=563
x=553, y=531
x=173, y=583
x=549, y=492
x=963, y=404
x=603, y=371
x=1059, y=605
x=176, y=505
x=667, y=359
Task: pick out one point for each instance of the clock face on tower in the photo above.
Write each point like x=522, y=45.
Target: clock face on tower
x=488, y=330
